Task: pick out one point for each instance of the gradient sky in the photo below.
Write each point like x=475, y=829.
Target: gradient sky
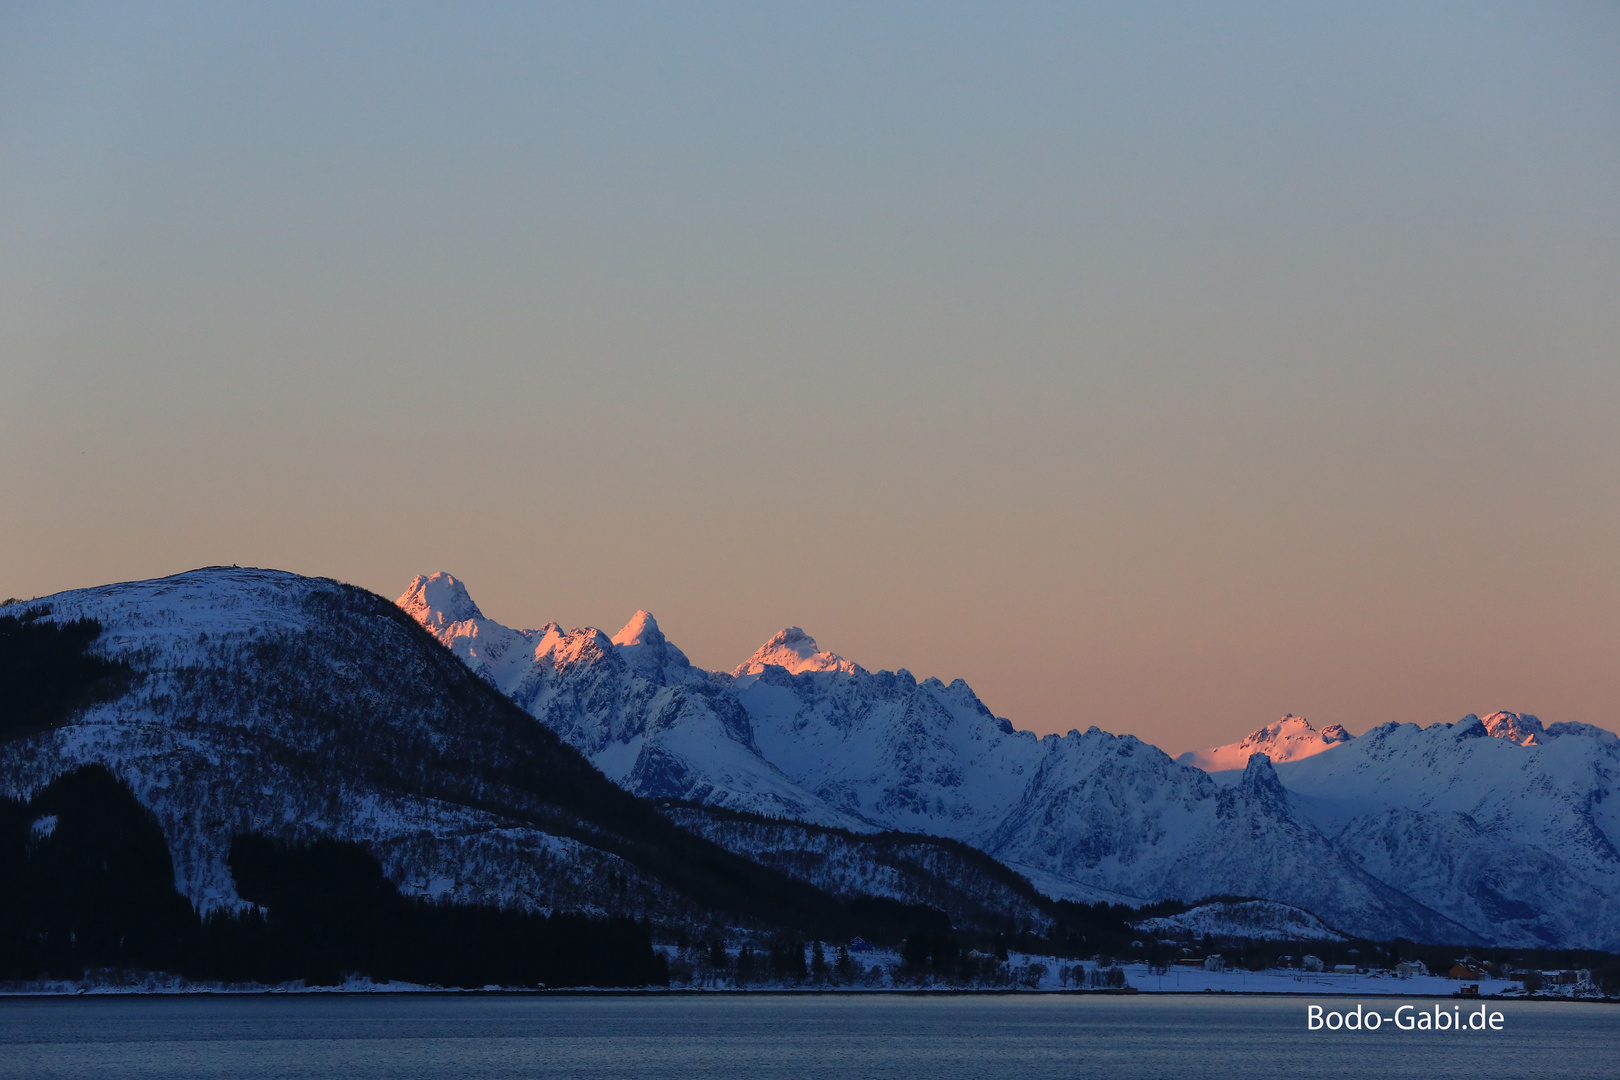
x=1161, y=367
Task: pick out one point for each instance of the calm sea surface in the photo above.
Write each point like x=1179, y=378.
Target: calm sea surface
x=940, y=1038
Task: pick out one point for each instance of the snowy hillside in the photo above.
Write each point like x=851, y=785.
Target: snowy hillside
x=1253, y=920
x=975, y=891
x=298, y=708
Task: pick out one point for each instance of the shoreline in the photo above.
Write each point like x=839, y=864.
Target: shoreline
x=391, y=990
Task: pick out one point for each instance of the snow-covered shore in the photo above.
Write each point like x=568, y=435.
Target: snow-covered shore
x=1033, y=974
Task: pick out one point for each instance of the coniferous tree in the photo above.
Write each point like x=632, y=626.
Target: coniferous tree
x=719, y=961
x=943, y=954
x=787, y=959
x=47, y=670
x=914, y=950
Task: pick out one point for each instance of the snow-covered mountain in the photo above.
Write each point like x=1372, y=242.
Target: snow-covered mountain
x=299, y=708
x=632, y=703
x=798, y=732
x=793, y=651
x=1496, y=823
x=1289, y=739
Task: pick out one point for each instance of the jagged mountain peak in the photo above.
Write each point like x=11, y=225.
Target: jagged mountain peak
x=650, y=654
x=579, y=644
x=642, y=629
x=795, y=651
x=1260, y=780
x=502, y=655
x=437, y=601
x=1521, y=728
x=1288, y=739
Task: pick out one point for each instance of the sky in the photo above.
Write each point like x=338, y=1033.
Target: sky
x=1160, y=367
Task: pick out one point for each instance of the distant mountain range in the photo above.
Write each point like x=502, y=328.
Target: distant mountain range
x=1495, y=830
x=798, y=788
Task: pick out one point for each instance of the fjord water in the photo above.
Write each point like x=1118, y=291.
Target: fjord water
x=425, y=1037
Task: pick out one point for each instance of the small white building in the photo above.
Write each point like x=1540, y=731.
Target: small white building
x=1214, y=962
x=1311, y=963
x=1411, y=967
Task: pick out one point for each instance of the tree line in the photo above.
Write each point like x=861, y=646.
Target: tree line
x=47, y=670
x=86, y=882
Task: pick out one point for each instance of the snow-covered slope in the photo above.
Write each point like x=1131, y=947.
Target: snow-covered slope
x=974, y=891
x=1241, y=920
x=1497, y=823
x=1289, y=739
x=1082, y=813
x=923, y=757
x=1118, y=812
x=802, y=733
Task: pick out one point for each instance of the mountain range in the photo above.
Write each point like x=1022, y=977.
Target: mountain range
x=554, y=770
x=1494, y=830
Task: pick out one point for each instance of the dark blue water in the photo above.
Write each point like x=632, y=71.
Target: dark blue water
x=843, y=1036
